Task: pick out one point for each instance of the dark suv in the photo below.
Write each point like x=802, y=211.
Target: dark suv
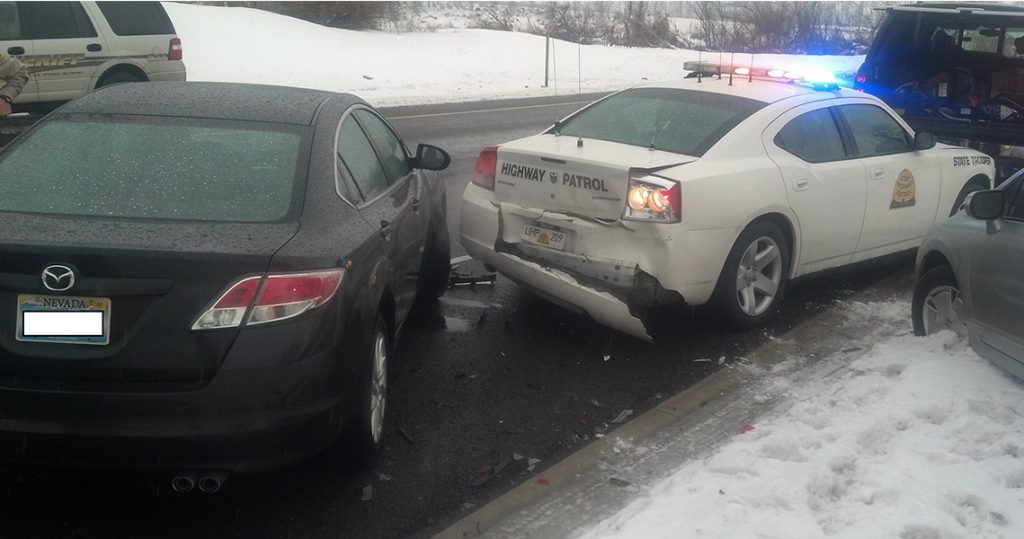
x=956, y=70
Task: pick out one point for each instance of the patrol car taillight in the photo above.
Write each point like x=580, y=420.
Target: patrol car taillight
x=174, y=49
x=653, y=199
x=267, y=299
x=486, y=167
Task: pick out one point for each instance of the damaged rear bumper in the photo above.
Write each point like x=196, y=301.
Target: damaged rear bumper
x=614, y=295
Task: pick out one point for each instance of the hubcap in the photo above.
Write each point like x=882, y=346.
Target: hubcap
x=944, y=309
x=759, y=276
x=378, y=386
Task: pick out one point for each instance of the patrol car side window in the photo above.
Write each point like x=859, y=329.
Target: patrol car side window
x=358, y=162
x=56, y=20
x=813, y=137
x=10, y=23
x=874, y=131
x=389, y=148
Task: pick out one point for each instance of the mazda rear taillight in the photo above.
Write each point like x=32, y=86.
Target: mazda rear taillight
x=486, y=167
x=174, y=49
x=267, y=299
x=285, y=296
x=653, y=199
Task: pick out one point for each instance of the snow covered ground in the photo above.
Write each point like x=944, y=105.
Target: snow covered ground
x=235, y=44
x=918, y=439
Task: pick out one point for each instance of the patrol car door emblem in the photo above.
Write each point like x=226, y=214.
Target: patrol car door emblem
x=58, y=278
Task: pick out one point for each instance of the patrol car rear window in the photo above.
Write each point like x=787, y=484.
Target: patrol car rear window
x=136, y=18
x=671, y=120
x=153, y=168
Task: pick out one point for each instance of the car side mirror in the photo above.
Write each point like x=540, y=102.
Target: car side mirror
x=985, y=205
x=924, y=140
x=431, y=157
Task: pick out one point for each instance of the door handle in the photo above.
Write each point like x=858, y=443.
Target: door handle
x=877, y=174
x=94, y=47
x=15, y=51
x=385, y=229
x=800, y=184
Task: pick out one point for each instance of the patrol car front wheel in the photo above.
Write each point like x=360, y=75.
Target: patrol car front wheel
x=754, y=277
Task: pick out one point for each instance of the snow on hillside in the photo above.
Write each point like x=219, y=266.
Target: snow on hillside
x=234, y=44
x=920, y=438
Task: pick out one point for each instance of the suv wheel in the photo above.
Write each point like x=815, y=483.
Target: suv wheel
x=115, y=78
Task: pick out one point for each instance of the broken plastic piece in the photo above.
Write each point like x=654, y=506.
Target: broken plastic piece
x=746, y=427
x=367, y=493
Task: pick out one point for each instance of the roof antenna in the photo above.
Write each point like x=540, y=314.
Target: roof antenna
x=579, y=81
x=732, y=63
x=750, y=74
x=700, y=67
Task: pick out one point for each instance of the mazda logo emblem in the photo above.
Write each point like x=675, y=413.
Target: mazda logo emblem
x=58, y=278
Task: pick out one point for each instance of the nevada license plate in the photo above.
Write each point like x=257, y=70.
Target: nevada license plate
x=63, y=319
x=541, y=235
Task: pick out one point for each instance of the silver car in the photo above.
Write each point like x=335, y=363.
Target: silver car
x=970, y=275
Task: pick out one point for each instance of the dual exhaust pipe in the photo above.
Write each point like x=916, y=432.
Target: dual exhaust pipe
x=208, y=482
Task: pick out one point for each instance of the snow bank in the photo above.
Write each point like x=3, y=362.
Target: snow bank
x=234, y=44
x=919, y=438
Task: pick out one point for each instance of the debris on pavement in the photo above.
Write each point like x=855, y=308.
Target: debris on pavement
x=367, y=493
x=458, y=278
x=517, y=457
x=622, y=416
x=406, y=435
x=721, y=360
x=543, y=481
x=531, y=463
x=488, y=472
x=746, y=427
x=619, y=482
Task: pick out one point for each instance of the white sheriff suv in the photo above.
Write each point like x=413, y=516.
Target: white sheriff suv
x=708, y=190
x=72, y=48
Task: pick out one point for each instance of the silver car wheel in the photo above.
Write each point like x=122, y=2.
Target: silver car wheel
x=758, y=276
x=944, y=309
x=378, y=387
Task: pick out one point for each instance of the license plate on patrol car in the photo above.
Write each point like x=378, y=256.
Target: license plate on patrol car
x=63, y=319
x=547, y=237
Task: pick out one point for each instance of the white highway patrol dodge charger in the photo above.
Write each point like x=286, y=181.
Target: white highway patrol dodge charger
x=705, y=191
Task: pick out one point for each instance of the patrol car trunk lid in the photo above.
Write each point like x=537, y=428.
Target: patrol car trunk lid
x=564, y=174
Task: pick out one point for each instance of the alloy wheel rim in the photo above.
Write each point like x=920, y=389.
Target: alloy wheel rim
x=378, y=387
x=944, y=309
x=758, y=276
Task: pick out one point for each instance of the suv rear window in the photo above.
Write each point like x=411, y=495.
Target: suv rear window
x=671, y=120
x=136, y=18
x=153, y=168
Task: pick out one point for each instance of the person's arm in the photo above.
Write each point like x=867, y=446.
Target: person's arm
x=14, y=75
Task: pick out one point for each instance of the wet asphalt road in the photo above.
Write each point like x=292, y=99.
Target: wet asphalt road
x=489, y=374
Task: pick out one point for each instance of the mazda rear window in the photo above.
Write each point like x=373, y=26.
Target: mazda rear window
x=678, y=121
x=153, y=168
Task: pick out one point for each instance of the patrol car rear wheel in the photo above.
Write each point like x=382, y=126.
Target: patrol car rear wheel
x=754, y=277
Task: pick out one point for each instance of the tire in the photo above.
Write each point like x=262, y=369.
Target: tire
x=367, y=432
x=750, y=288
x=437, y=265
x=116, y=78
x=938, y=304
x=971, y=186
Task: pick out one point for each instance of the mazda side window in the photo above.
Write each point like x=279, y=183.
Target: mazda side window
x=874, y=131
x=359, y=160
x=389, y=148
x=813, y=137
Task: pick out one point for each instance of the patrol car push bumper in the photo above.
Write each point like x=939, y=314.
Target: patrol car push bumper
x=479, y=233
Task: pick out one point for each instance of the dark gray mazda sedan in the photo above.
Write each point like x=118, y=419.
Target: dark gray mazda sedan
x=208, y=277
